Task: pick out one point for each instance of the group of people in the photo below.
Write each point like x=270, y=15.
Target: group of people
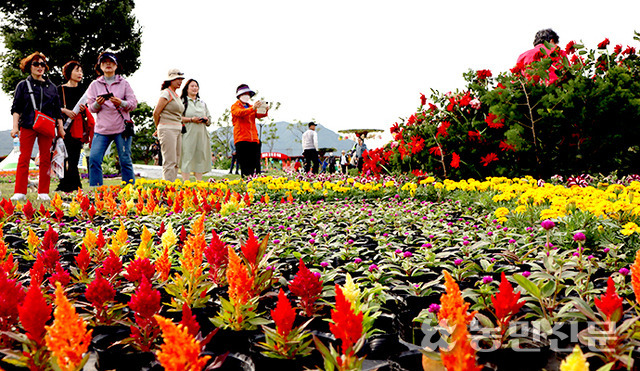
x=311, y=155
x=41, y=111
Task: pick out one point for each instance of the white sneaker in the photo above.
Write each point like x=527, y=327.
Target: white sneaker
x=44, y=197
x=18, y=197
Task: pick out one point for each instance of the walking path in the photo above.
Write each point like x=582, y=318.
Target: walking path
x=155, y=172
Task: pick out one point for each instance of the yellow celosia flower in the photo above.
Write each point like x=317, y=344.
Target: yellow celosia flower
x=575, y=361
x=351, y=291
x=144, y=249
x=56, y=201
x=169, y=238
x=90, y=240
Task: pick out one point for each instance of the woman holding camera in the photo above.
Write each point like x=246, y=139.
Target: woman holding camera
x=110, y=96
x=167, y=116
x=34, y=93
x=196, y=144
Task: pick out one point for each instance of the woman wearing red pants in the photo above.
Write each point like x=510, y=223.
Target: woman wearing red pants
x=34, y=93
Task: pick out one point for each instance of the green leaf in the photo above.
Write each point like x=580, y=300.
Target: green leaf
x=526, y=284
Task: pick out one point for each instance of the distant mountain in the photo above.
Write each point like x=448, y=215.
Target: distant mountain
x=289, y=140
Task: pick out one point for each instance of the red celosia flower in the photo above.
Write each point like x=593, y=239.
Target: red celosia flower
x=493, y=121
x=435, y=151
x=505, y=302
x=486, y=160
x=504, y=146
x=50, y=257
x=61, y=275
x=283, y=315
x=347, y=325
x=34, y=314
x=100, y=241
x=145, y=301
x=38, y=271
x=610, y=304
x=603, y=44
x=50, y=239
x=189, y=320
x=306, y=286
x=455, y=160
x=83, y=259
x=141, y=267
x=99, y=291
x=250, y=249
x=423, y=99
x=11, y=295
x=483, y=74
x=111, y=265
x=442, y=129
x=28, y=210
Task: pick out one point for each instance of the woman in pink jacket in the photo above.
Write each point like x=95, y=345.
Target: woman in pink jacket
x=110, y=96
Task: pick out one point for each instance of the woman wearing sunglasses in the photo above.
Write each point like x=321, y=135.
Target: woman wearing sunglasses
x=34, y=93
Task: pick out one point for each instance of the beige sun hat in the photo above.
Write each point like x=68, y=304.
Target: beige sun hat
x=174, y=74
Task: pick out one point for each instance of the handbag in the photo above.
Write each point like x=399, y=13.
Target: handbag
x=42, y=124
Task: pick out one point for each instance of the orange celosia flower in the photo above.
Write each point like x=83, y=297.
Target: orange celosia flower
x=68, y=338
x=143, y=250
x=192, y=253
x=635, y=276
x=240, y=282
x=163, y=264
x=180, y=351
x=453, y=312
x=90, y=241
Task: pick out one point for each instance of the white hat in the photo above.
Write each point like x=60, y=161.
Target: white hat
x=174, y=74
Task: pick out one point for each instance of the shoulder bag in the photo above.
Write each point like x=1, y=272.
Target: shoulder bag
x=128, y=124
x=42, y=124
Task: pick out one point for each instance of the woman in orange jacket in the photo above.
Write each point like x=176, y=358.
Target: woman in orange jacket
x=245, y=133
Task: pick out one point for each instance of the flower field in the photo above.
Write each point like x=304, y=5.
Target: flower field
x=327, y=272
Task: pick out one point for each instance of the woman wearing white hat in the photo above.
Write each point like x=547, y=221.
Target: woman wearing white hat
x=167, y=116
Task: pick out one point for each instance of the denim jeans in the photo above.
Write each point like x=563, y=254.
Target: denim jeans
x=99, y=146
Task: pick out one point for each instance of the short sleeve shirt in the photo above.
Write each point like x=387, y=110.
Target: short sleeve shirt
x=172, y=112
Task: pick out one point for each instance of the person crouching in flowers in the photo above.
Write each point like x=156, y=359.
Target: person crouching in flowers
x=34, y=93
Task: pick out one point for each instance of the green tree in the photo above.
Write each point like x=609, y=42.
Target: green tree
x=142, y=117
x=67, y=30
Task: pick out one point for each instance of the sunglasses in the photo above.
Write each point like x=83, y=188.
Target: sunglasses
x=39, y=64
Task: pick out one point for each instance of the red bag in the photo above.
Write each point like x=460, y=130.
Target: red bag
x=44, y=125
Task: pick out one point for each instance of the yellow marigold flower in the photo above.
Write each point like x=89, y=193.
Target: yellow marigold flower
x=630, y=228
x=180, y=351
x=635, y=276
x=576, y=361
x=501, y=212
x=68, y=338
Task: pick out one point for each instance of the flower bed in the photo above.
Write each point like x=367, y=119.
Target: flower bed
x=506, y=268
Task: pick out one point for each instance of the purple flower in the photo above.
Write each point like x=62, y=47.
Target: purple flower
x=623, y=271
x=548, y=245
x=276, y=241
x=547, y=224
x=312, y=241
x=269, y=268
x=357, y=260
x=434, y=308
x=465, y=243
x=398, y=251
x=317, y=274
x=385, y=234
x=431, y=236
x=457, y=261
x=313, y=234
x=407, y=254
x=350, y=241
x=489, y=233
x=606, y=250
x=487, y=279
x=512, y=241
x=373, y=267
x=526, y=274
x=427, y=245
x=324, y=264
x=579, y=237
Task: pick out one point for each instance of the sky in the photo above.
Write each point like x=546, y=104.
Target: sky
x=350, y=64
